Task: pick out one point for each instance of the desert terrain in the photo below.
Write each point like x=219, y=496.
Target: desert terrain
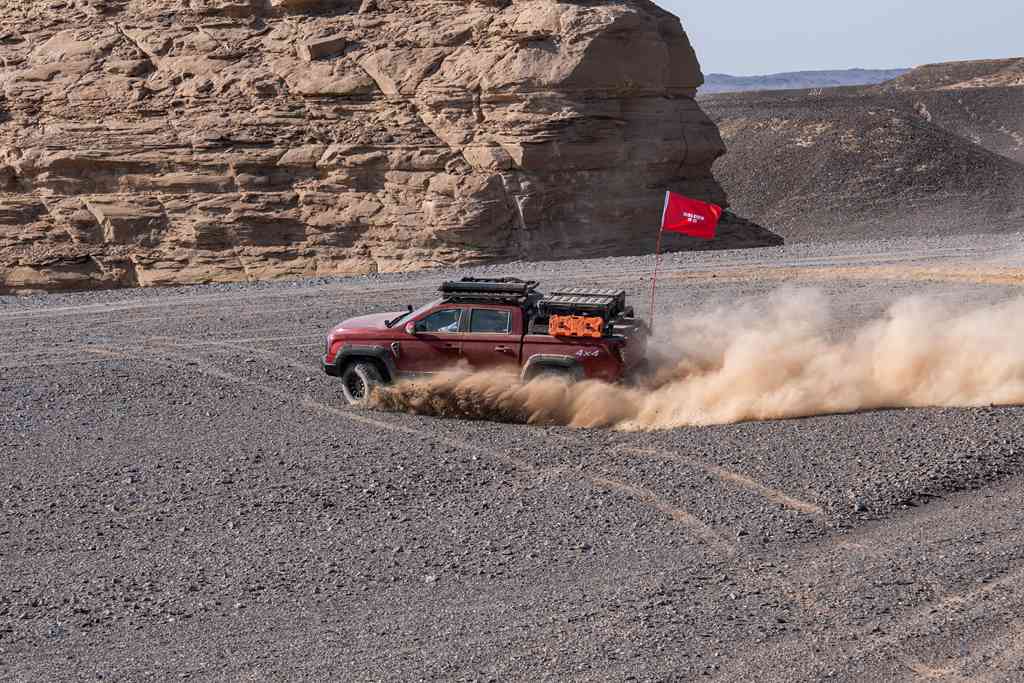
x=185, y=495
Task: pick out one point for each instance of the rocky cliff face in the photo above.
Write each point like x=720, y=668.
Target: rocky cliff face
x=149, y=142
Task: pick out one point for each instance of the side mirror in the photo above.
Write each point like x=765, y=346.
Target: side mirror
x=410, y=329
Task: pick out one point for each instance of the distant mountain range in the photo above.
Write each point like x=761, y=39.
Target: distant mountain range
x=798, y=80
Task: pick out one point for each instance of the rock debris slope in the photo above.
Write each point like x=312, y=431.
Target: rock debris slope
x=936, y=151
x=978, y=100
x=149, y=143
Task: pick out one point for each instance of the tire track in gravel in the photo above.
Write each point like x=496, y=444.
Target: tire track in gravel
x=239, y=348
x=808, y=557
x=734, y=478
x=200, y=365
x=952, y=607
x=886, y=542
x=643, y=495
x=677, y=514
x=649, y=498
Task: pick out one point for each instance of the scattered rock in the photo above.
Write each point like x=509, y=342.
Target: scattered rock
x=318, y=48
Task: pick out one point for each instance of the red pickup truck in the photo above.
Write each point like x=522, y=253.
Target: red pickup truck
x=487, y=323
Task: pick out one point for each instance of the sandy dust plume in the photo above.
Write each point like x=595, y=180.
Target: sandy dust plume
x=770, y=358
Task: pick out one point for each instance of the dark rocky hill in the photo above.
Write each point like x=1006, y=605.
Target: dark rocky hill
x=982, y=101
x=986, y=73
x=899, y=158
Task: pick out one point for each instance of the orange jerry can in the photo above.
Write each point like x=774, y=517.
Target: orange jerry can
x=575, y=326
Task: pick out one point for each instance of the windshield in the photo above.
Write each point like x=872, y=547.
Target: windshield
x=405, y=314
x=397, y=319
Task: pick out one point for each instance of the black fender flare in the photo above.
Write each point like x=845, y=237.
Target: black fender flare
x=379, y=353
x=568, y=364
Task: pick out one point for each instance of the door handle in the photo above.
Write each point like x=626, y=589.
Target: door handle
x=452, y=347
x=504, y=349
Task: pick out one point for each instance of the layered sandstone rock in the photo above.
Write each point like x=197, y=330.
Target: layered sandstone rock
x=148, y=142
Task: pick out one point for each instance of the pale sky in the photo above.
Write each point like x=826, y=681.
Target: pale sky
x=751, y=37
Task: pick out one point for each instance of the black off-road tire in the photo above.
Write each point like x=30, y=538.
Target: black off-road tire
x=640, y=373
x=358, y=380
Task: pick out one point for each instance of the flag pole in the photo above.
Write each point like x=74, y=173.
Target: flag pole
x=654, y=280
x=657, y=259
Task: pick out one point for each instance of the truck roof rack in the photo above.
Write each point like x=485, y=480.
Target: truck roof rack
x=489, y=290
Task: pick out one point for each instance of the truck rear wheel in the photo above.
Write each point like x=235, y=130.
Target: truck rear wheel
x=552, y=373
x=358, y=381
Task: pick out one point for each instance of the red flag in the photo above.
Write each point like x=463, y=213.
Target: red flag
x=690, y=217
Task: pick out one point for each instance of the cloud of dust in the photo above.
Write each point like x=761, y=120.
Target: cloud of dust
x=771, y=358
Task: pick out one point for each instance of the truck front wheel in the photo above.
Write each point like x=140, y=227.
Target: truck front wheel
x=358, y=380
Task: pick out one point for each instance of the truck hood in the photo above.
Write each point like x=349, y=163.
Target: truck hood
x=374, y=321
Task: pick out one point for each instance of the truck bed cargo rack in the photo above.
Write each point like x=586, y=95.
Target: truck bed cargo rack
x=508, y=290
x=607, y=303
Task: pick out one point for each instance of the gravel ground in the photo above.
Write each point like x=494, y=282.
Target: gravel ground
x=184, y=495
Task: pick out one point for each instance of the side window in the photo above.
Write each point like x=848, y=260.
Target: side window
x=484, y=321
x=446, y=320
